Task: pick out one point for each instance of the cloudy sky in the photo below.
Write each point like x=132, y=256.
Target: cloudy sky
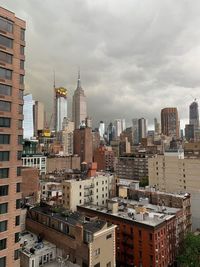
x=136, y=57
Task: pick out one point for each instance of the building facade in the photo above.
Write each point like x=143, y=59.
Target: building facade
x=79, y=105
x=28, y=125
x=104, y=157
x=12, y=45
x=83, y=146
x=170, y=122
x=60, y=107
x=38, y=117
x=89, y=243
x=36, y=161
x=142, y=129
x=95, y=190
x=194, y=114
x=175, y=174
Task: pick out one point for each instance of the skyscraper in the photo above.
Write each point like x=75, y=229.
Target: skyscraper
x=135, y=131
x=28, y=116
x=12, y=44
x=170, y=122
x=142, y=129
x=79, y=106
x=119, y=126
x=194, y=114
x=156, y=126
x=101, y=129
x=60, y=107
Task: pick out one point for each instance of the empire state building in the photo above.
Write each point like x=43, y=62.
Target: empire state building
x=79, y=107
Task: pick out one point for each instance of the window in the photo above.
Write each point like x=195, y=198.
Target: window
x=16, y=254
x=5, y=41
x=109, y=236
x=22, y=64
x=80, y=194
x=5, y=74
x=22, y=35
x=80, y=201
x=18, y=187
x=19, y=171
x=3, y=244
x=19, y=155
x=97, y=252
x=108, y=264
x=5, y=122
x=21, y=50
x=3, y=226
x=3, y=190
x=20, y=109
x=18, y=203
x=140, y=233
x=97, y=265
x=3, y=208
x=16, y=237
x=4, y=155
x=5, y=89
x=21, y=94
x=6, y=25
x=5, y=106
x=20, y=139
x=150, y=237
x=20, y=122
x=21, y=79
x=3, y=262
x=17, y=220
x=4, y=173
x=5, y=57
x=4, y=138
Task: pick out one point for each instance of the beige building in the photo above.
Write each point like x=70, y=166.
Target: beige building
x=173, y=173
x=61, y=163
x=12, y=44
x=94, y=190
x=38, y=117
x=68, y=138
x=88, y=242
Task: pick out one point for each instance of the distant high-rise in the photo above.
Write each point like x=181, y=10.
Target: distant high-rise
x=79, y=106
x=12, y=46
x=135, y=131
x=170, y=122
x=28, y=116
x=119, y=126
x=60, y=107
x=142, y=129
x=101, y=129
x=156, y=126
x=38, y=117
x=194, y=114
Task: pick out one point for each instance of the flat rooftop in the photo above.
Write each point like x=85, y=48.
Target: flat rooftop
x=138, y=211
x=73, y=218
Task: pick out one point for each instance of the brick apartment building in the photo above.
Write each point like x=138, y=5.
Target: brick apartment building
x=146, y=235
x=83, y=144
x=88, y=242
x=12, y=44
x=104, y=157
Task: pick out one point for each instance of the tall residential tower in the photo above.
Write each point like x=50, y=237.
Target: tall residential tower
x=170, y=122
x=12, y=44
x=79, y=108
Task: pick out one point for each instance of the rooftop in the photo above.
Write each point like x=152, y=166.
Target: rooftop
x=73, y=218
x=138, y=211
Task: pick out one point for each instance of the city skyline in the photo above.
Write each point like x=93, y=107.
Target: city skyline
x=119, y=67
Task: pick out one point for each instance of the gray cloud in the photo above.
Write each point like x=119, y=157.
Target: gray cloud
x=136, y=56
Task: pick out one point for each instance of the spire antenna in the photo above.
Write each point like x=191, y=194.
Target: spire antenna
x=79, y=78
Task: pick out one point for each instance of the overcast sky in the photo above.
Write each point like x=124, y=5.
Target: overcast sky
x=136, y=57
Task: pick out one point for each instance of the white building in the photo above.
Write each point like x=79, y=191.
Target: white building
x=119, y=126
x=60, y=107
x=95, y=190
x=36, y=161
x=101, y=129
x=28, y=116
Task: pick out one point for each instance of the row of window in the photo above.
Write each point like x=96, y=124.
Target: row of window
x=5, y=139
x=4, y=189
x=6, y=25
x=8, y=58
x=5, y=155
x=6, y=122
x=6, y=74
x=6, y=106
x=8, y=42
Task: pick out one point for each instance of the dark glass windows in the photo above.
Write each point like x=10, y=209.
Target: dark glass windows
x=5, y=74
x=5, y=41
x=4, y=138
x=5, y=122
x=5, y=89
x=4, y=155
x=5, y=57
x=5, y=106
x=4, y=173
x=6, y=25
